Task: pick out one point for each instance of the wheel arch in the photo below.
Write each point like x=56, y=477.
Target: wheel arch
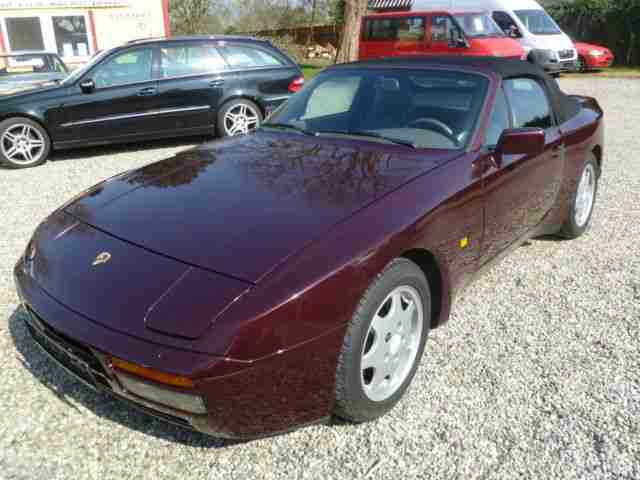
x=243, y=96
x=597, y=152
x=427, y=262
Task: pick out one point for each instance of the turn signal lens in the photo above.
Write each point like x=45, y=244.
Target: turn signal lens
x=296, y=85
x=150, y=374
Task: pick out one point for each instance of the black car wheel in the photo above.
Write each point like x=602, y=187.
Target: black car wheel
x=581, y=66
x=23, y=143
x=582, y=201
x=238, y=117
x=384, y=343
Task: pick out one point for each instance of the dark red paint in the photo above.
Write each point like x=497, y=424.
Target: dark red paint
x=240, y=263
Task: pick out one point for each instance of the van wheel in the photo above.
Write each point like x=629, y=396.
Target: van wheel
x=238, y=117
x=23, y=143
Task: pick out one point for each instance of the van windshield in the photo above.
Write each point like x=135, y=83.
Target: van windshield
x=538, y=22
x=477, y=25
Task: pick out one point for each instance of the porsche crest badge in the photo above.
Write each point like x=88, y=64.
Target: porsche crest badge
x=102, y=258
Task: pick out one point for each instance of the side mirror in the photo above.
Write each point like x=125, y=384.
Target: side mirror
x=521, y=141
x=87, y=86
x=514, y=32
x=456, y=39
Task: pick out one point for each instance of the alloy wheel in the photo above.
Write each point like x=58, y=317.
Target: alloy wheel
x=391, y=344
x=241, y=119
x=585, y=195
x=22, y=144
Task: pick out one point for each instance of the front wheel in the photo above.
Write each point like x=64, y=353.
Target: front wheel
x=238, y=117
x=23, y=143
x=581, y=66
x=582, y=201
x=384, y=343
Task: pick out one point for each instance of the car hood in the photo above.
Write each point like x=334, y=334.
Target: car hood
x=240, y=207
x=10, y=89
x=586, y=47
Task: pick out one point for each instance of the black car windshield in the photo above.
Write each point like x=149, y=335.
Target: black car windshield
x=412, y=108
x=478, y=25
x=78, y=73
x=538, y=22
x=11, y=65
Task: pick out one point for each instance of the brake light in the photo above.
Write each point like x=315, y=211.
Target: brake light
x=296, y=85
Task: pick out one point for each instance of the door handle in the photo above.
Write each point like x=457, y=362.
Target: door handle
x=217, y=83
x=148, y=91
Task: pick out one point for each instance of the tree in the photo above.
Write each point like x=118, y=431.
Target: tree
x=189, y=17
x=354, y=10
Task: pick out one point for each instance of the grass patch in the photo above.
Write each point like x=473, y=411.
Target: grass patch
x=310, y=71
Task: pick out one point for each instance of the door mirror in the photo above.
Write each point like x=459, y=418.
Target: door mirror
x=456, y=39
x=514, y=32
x=87, y=86
x=521, y=141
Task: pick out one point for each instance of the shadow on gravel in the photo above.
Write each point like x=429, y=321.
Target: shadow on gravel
x=98, y=151
x=70, y=391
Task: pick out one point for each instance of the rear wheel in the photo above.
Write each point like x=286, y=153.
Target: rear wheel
x=384, y=343
x=238, y=117
x=582, y=202
x=23, y=143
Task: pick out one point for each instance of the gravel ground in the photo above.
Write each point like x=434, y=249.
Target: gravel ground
x=537, y=375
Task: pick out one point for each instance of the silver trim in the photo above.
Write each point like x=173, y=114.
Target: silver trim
x=136, y=115
x=275, y=99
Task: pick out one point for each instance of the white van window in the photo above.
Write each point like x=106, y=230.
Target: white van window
x=506, y=23
x=538, y=22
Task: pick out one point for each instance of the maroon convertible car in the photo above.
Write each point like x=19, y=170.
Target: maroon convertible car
x=293, y=274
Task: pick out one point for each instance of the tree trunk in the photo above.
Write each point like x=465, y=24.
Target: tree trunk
x=353, y=12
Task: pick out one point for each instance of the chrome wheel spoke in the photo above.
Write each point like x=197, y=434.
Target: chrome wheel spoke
x=11, y=152
x=391, y=344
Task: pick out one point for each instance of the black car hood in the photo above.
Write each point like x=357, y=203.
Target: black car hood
x=241, y=206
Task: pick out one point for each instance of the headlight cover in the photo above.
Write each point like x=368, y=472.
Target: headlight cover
x=596, y=53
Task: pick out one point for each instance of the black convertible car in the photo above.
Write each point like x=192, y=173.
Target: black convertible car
x=149, y=89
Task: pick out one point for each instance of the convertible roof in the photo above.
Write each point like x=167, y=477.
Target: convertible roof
x=565, y=106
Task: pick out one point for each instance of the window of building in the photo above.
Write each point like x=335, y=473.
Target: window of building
x=71, y=36
x=24, y=33
x=190, y=60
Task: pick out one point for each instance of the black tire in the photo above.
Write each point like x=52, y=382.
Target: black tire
x=35, y=133
x=352, y=403
x=222, y=127
x=581, y=66
x=571, y=229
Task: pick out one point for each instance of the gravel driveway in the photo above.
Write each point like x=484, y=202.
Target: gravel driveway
x=536, y=376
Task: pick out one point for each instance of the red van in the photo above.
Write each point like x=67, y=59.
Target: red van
x=437, y=33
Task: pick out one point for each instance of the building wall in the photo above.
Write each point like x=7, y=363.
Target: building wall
x=77, y=29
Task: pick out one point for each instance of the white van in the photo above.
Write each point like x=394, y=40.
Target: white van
x=524, y=20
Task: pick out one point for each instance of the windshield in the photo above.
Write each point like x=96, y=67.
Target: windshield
x=11, y=65
x=477, y=25
x=538, y=22
x=413, y=108
x=76, y=74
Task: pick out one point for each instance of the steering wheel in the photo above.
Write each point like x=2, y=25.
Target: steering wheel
x=440, y=126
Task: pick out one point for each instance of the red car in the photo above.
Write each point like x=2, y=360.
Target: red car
x=434, y=33
x=593, y=57
x=280, y=278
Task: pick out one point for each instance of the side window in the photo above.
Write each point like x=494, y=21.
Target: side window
x=529, y=103
x=180, y=60
x=248, y=57
x=390, y=29
x=341, y=91
x=127, y=67
x=506, y=23
x=440, y=28
x=499, y=121
x=58, y=66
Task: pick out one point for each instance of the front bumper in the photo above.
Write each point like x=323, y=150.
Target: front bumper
x=265, y=397
x=549, y=61
x=603, y=61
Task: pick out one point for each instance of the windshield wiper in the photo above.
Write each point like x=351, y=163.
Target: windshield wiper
x=359, y=133
x=288, y=126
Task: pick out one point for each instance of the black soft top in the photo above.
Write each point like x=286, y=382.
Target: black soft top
x=564, y=106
